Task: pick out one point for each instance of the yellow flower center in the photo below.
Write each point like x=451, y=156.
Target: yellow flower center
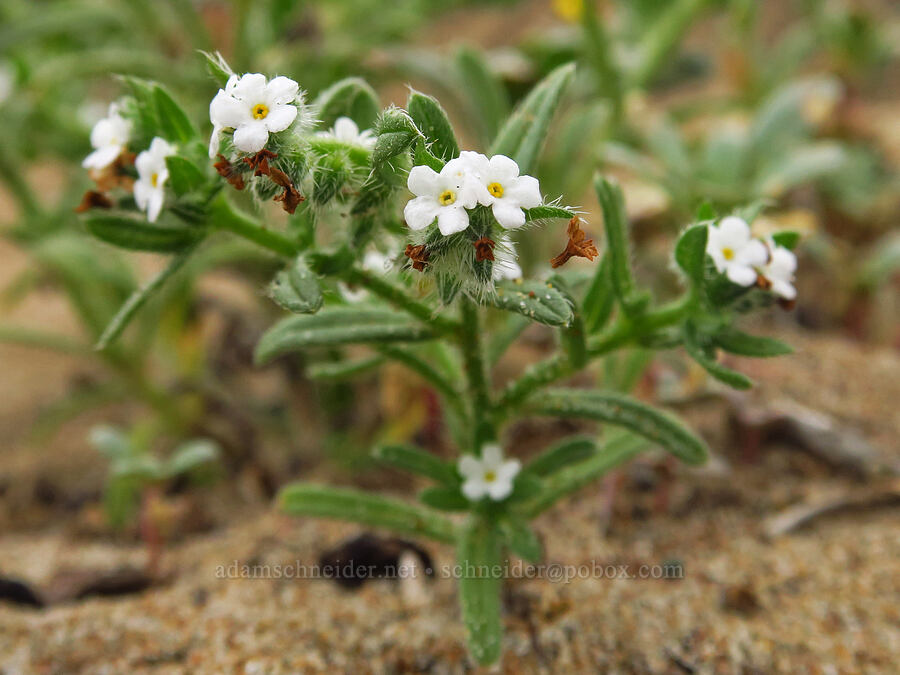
x=447, y=197
x=260, y=110
x=728, y=254
x=496, y=190
x=489, y=476
x=154, y=180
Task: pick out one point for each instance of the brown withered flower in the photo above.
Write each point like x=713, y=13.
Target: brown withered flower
x=484, y=249
x=93, y=200
x=114, y=175
x=577, y=246
x=419, y=256
x=260, y=162
x=229, y=172
x=290, y=199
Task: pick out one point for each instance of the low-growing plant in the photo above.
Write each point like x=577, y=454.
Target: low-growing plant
x=440, y=293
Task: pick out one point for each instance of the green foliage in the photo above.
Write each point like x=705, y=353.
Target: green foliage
x=416, y=461
x=297, y=289
x=431, y=120
x=478, y=554
x=352, y=97
x=134, y=233
x=538, y=301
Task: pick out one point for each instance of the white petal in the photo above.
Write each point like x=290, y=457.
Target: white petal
x=160, y=149
x=142, y=191
x=366, y=139
x=251, y=88
x=345, y=130
x=214, y=141
x=734, y=232
x=420, y=212
x=753, y=253
x=102, y=157
x=474, y=489
x=741, y=274
x=500, y=489
x=251, y=137
x=105, y=133
x=281, y=118
x=281, y=90
x=227, y=112
x=452, y=220
x=469, y=466
x=491, y=456
x=467, y=194
x=473, y=162
x=155, y=205
x=783, y=262
x=423, y=180
x=509, y=469
x=503, y=168
x=784, y=289
x=508, y=215
x=525, y=190
x=145, y=164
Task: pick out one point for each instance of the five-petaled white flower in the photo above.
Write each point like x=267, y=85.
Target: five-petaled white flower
x=779, y=270
x=149, y=188
x=445, y=196
x=254, y=108
x=346, y=131
x=108, y=138
x=489, y=475
x=501, y=187
x=734, y=251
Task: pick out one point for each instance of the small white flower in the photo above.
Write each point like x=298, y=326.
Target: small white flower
x=502, y=188
x=445, y=196
x=149, y=188
x=779, y=270
x=346, y=131
x=488, y=475
x=734, y=251
x=373, y=261
x=506, y=266
x=108, y=138
x=254, y=108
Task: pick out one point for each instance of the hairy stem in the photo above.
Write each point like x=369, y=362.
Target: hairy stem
x=224, y=216
x=476, y=374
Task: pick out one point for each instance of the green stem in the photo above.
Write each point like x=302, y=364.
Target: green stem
x=476, y=374
x=224, y=216
x=609, y=78
x=429, y=373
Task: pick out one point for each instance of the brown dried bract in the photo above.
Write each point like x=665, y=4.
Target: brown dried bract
x=484, y=249
x=419, y=256
x=93, y=200
x=260, y=162
x=577, y=246
x=762, y=282
x=786, y=304
x=115, y=175
x=290, y=199
x=229, y=172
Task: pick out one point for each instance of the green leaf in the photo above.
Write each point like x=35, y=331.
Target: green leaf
x=705, y=212
x=615, y=221
x=600, y=299
x=413, y=460
x=423, y=157
x=217, y=67
x=396, y=133
x=623, y=411
x=690, y=253
x=572, y=336
x=174, y=123
x=521, y=538
x=432, y=121
x=351, y=97
x=184, y=175
x=487, y=98
x=190, y=455
x=110, y=442
x=445, y=498
x=337, y=326
x=297, y=289
x=305, y=499
x=478, y=555
x=135, y=233
x=560, y=455
x=343, y=370
x=788, y=239
x=525, y=487
x=138, y=299
x=536, y=300
x=738, y=342
x=548, y=213
x=523, y=134
x=705, y=356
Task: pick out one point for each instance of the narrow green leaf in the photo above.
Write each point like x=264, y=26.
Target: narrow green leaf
x=560, y=455
x=138, y=299
x=174, y=123
x=600, y=299
x=351, y=97
x=337, y=326
x=305, y=499
x=297, y=289
x=536, y=300
x=548, y=213
x=135, y=233
x=705, y=356
x=520, y=538
x=487, y=97
x=572, y=336
x=738, y=342
x=396, y=133
x=788, y=239
x=217, y=67
x=523, y=134
x=343, y=370
x=190, y=455
x=110, y=442
x=690, y=253
x=445, y=498
x=623, y=411
x=480, y=583
x=184, y=175
x=42, y=340
x=525, y=487
x=413, y=460
x=423, y=157
x=432, y=121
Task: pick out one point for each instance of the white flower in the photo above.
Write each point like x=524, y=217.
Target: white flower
x=506, y=266
x=254, y=108
x=779, y=270
x=108, y=138
x=445, y=196
x=488, y=475
x=346, y=131
x=502, y=188
x=373, y=261
x=734, y=251
x=149, y=189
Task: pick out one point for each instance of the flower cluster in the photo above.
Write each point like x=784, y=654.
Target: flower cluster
x=748, y=261
x=464, y=183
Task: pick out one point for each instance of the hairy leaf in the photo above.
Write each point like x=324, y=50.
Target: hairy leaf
x=413, y=460
x=478, y=554
x=538, y=301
